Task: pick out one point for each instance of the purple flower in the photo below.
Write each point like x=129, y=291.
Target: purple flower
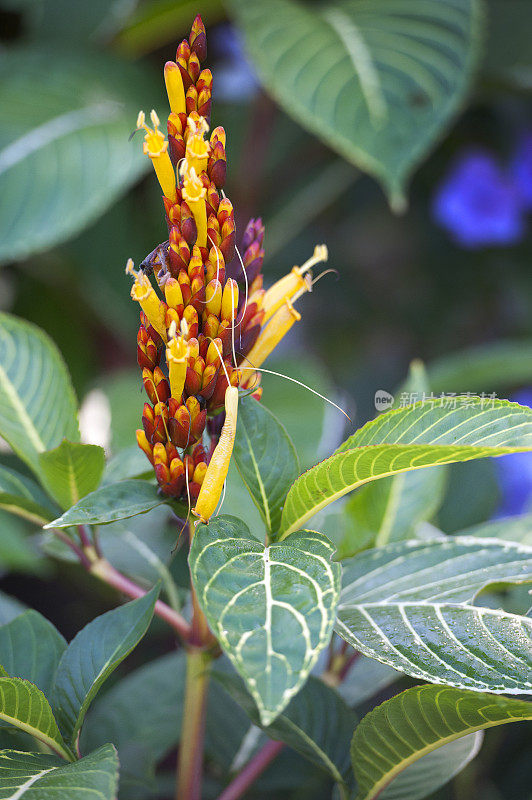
x=478, y=203
x=235, y=77
x=515, y=474
x=522, y=169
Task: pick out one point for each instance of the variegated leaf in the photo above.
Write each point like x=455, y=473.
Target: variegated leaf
x=407, y=605
x=424, y=434
x=271, y=608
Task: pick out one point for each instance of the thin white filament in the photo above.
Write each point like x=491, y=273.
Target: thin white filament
x=299, y=383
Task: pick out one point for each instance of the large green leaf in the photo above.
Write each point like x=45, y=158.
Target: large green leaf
x=317, y=723
x=134, y=716
x=272, y=609
x=37, y=403
x=34, y=776
x=415, y=723
x=377, y=80
x=266, y=459
x=407, y=605
x=64, y=151
x=93, y=655
x=23, y=497
x=389, y=510
x=110, y=503
x=71, y=471
x=424, y=434
x=25, y=706
x=31, y=648
x=511, y=529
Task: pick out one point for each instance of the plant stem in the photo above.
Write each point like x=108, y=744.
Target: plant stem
x=252, y=770
x=106, y=572
x=190, y=761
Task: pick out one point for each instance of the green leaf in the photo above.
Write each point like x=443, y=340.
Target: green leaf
x=31, y=648
x=71, y=471
x=365, y=679
x=18, y=551
x=316, y=723
x=424, y=434
x=510, y=529
x=37, y=403
x=483, y=368
x=10, y=608
x=23, y=497
x=415, y=723
x=407, y=605
x=272, y=633
x=144, y=738
x=35, y=776
x=266, y=459
x=390, y=509
x=142, y=547
x=127, y=463
x=93, y=655
x=25, y=707
x=378, y=81
x=64, y=150
x=110, y=503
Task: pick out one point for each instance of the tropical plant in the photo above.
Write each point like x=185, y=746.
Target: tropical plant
x=283, y=633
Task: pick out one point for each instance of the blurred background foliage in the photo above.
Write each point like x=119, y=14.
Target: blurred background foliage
x=447, y=280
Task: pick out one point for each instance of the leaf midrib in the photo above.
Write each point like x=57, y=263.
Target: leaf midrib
x=476, y=451
x=385, y=780
x=20, y=410
x=330, y=765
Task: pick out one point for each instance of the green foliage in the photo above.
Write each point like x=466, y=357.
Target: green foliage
x=110, y=503
x=421, y=435
x=71, y=471
x=272, y=635
x=93, y=655
x=266, y=459
x=143, y=731
x=37, y=403
x=389, y=509
x=25, y=706
x=408, y=605
x=21, y=496
x=31, y=648
x=73, y=114
x=35, y=776
x=415, y=723
x=377, y=81
x=316, y=723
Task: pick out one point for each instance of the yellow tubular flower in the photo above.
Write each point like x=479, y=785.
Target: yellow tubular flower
x=294, y=282
x=197, y=153
x=143, y=292
x=213, y=482
x=156, y=147
x=176, y=358
x=270, y=336
x=174, y=88
x=194, y=193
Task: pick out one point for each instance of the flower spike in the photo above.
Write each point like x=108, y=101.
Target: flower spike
x=206, y=315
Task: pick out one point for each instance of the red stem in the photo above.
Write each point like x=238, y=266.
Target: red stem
x=73, y=546
x=104, y=570
x=252, y=770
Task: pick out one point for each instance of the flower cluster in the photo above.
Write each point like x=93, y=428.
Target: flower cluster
x=211, y=324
